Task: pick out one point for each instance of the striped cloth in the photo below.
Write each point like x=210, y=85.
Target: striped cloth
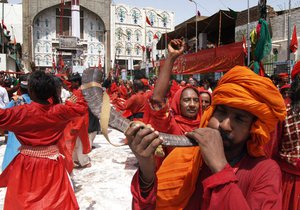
x=50, y=152
x=290, y=146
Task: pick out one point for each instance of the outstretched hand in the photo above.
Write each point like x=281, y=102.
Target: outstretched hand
x=176, y=48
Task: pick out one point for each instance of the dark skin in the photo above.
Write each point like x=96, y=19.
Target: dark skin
x=205, y=100
x=189, y=103
x=175, y=48
x=215, y=150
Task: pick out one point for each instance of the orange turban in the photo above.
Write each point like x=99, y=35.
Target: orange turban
x=239, y=88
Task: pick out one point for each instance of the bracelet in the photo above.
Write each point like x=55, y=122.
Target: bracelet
x=147, y=185
x=156, y=105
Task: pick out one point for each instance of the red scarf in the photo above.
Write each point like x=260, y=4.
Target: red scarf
x=184, y=124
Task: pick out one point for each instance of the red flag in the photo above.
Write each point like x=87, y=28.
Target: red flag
x=15, y=41
x=155, y=36
x=61, y=63
x=148, y=21
x=143, y=48
x=244, y=45
x=294, y=41
x=198, y=13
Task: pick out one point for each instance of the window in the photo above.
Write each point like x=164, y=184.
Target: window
x=99, y=26
x=92, y=25
x=119, y=33
x=92, y=49
x=152, y=18
x=38, y=48
x=47, y=48
x=150, y=36
x=47, y=34
x=66, y=28
x=38, y=61
x=135, y=16
x=128, y=51
x=128, y=33
x=137, y=35
x=38, y=35
x=121, y=15
x=47, y=61
x=46, y=22
x=165, y=21
x=137, y=50
x=37, y=22
x=119, y=50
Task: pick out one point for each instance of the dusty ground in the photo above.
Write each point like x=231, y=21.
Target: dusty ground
x=105, y=185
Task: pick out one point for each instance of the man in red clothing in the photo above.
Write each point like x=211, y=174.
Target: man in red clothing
x=136, y=103
x=287, y=150
x=228, y=170
x=37, y=177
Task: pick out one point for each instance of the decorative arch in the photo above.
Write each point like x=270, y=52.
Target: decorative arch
x=128, y=49
x=149, y=36
x=47, y=60
x=122, y=14
x=119, y=33
x=136, y=15
x=138, y=35
x=152, y=17
x=128, y=34
x=137, y=49
x=119, y=48
x=165, y=19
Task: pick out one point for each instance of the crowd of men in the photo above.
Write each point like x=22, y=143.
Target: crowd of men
x=247, y=128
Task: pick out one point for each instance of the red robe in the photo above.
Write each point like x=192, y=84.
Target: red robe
x=135, y=104
x=39, y=183
x=171, y=121
x=286, y=133
x=77, y=127
x=254, y=183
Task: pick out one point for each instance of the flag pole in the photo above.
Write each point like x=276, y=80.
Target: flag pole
x=2, y=34
x=248, y=36
x=289, y=33
x=196, y=24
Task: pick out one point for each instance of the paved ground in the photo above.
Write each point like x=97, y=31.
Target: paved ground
x=105, y=185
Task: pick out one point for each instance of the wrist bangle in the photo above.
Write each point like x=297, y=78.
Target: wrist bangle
x=145, y=185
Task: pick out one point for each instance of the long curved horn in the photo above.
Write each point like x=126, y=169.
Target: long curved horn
x=93, y=93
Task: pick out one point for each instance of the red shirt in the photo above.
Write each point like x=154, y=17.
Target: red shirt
x=136, y=103
x=47, y=180
x=254, y=184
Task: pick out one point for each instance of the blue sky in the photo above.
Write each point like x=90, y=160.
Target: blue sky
x=184, y=9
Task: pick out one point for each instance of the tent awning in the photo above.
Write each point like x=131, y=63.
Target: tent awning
x=220, y=25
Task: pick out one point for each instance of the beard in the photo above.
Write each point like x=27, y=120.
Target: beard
x=227, y=141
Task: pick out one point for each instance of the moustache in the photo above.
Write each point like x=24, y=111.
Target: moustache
x=224, y=135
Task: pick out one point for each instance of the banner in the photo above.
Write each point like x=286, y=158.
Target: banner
x=218, y=59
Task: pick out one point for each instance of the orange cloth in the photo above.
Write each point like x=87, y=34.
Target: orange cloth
x=239, y=88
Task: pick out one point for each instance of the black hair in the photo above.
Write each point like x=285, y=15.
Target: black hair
x=43, y=86
x=138, y=85
x=295, y=94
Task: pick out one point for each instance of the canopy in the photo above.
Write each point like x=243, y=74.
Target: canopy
x=220, y=29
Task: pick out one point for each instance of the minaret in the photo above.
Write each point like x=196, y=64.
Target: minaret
x=75, y=18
